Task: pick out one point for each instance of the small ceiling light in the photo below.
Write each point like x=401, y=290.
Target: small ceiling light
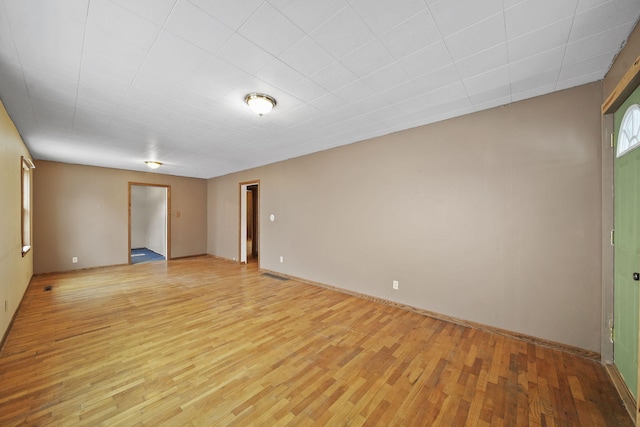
x=152, y=164
x=260, y=103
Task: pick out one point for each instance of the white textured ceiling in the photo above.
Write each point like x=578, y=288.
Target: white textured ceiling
x=116, y=82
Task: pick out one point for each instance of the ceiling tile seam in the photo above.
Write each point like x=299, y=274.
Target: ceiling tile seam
x=348, y=5
x=162, y=28
x=483, y=50
x=217, y=56
x=255, y=11
x=571, y=43
x=248, y=17
x=84, y=39
x=24, y=78
x=377, y=36
x=536, y=30
x=506, y=37
x=181, y=37
x=362, y=78
x=476, y=23
x=207, y=13
x=306, y=33
x=142, y=16
x=390, y=116
x=566, y=44
x=455, y=65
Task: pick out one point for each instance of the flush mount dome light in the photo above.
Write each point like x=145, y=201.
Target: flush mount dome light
x=153, y=164
x=260, y=103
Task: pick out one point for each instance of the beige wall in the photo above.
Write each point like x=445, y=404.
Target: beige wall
x=82, y=211
x=493, y=217
x=15, y=270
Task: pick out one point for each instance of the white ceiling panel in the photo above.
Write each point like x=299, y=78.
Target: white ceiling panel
x=412, y=35
x=575, y=81
x=271, y=30
x=334, y=76
x=8, y=53
x=389, y=76
x=484, y=61
x=45, y=86
x=111, y=23
x=50, y=40
x=113, y=67
x=539, y=40
x=432, y=57
x=602, y=16
x=355, y=92
x=243, y=54
x=154, y=11
x=452, y=16
x=367, y=59
x=530, y=15
x=280, y=75
x=307, y=56
x=232, y=14
x=308, y=15
x=477, y=38
x=203, y=30
x=173, y=59
x=538, y=68
x=595, y=45
x=497, y=78
x=344, y=32
x=116, y=82
x=306, y=90
x=90, y=109
x=491, y=99
x=382, y=15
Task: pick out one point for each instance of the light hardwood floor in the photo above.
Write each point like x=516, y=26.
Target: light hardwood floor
x=204, y=342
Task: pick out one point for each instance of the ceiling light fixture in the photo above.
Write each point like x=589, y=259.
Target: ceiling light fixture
x=260, y=103
x=153, y=164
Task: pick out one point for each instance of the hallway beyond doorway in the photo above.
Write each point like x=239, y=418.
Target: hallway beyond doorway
x=140, y=255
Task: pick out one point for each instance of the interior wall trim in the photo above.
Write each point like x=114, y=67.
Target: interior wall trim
x=474, y=325
x=97, y=267
x=3, y=341
x=624, y=392
x=629, y=82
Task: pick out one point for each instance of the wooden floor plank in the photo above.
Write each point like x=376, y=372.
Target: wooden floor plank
x=202, y=341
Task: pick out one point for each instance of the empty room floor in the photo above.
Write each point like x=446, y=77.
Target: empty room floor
x=202, y=341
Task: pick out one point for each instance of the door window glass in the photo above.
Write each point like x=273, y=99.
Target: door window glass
x=629, y=134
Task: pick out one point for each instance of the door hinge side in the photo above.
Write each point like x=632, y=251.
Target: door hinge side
x=611, y=334
x=611, y=139
x=612, y=238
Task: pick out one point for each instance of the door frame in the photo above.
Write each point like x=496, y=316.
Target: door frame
x=242, y=219
x=168, y=225
x=625, y=87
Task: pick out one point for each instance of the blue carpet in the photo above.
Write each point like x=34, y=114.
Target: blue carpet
x=144, y=255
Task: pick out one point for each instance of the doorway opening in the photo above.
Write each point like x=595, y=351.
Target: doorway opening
x=149, y=222
x=249, y=222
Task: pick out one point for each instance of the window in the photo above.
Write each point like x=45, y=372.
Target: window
x=26, y=183
x=629, y=134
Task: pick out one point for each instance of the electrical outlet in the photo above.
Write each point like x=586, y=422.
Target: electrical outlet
x=74, y=259
x=395, y=285
x=281, y=259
